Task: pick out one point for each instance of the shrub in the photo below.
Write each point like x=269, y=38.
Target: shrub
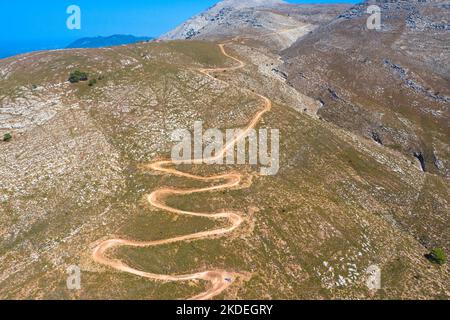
x=92, y=82
x=78, y=76
x=7, y=137
x=437, y=256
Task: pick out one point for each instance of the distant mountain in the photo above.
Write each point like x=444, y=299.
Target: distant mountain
x=114, y=40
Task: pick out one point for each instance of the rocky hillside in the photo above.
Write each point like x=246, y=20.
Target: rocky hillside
x=350, y=193
x=214, y=15
x=390, y=85
x=271, y=21
x=72, y=175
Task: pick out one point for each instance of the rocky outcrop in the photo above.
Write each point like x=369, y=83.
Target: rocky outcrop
x=215, y=16
x=273, y=22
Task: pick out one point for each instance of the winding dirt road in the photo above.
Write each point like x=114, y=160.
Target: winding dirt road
x=220, y=279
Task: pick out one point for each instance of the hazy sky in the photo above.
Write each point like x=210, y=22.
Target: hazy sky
x=33, y=25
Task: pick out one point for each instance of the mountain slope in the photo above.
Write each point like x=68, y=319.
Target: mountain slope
x=259, y=20
x=78, y=170
x=391, y=86
x=214, y=15
x=74, y=175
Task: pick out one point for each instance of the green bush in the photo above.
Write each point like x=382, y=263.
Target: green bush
x=92, y=82
x=78, y=76
x=437, y=256
x=7, y=137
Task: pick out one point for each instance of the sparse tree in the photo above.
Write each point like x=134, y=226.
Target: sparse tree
x=437, y=256
x=78, y=76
